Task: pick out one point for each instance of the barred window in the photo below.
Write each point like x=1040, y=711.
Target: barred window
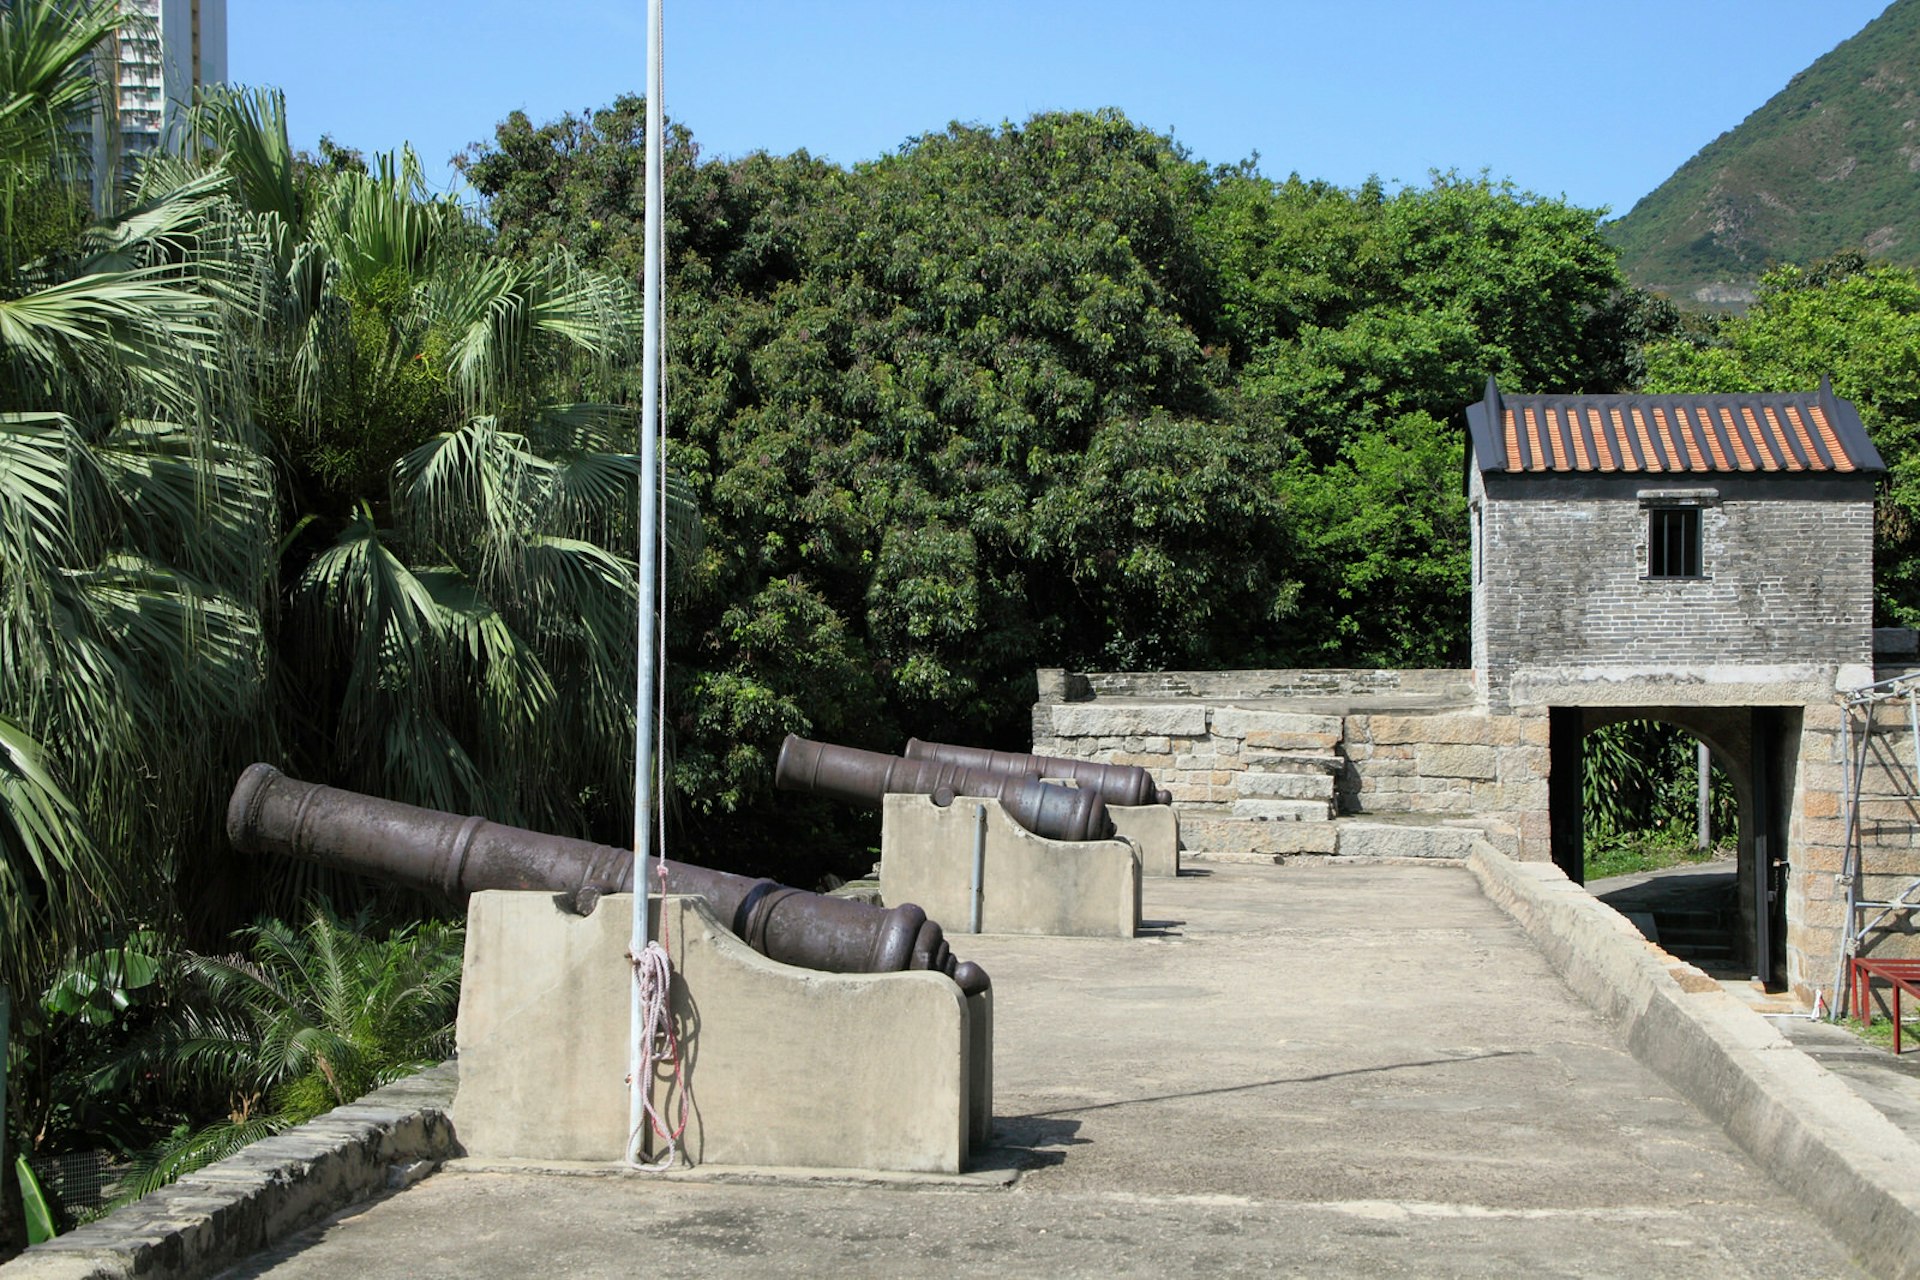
x=1673, y=542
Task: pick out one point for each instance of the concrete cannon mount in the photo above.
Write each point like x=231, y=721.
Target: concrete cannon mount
x=787, y=1067
x=1265, y=1080
x=1029, y=884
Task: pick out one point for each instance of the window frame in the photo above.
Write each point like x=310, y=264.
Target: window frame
x=1668, y=522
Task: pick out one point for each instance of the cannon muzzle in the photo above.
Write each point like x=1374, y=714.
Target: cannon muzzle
x=864, y=777
x=1126, y=784
x=456, y=856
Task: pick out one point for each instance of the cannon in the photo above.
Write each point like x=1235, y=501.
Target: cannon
x=457, y=856
x=865, y=777
x=1124, y=784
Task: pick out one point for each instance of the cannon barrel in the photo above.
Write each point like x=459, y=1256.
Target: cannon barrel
x=1126, y=784
x=456, y=856
x=864, y=777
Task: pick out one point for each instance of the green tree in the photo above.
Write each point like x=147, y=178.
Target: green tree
x=1348, y=309
x=1379, y=538
x=136, y=541
x=136, y=521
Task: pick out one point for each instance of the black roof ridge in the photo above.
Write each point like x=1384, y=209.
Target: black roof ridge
x=1509, y=398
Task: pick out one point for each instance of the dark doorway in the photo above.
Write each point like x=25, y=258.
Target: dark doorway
x=1724, y=913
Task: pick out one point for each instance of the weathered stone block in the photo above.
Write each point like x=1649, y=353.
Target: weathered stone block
x=1285, y=786
x=1460, y=728
x=1092, y=720
x=1509, y=797
x=1519, y=764
x=1439, y=760
x=1234, y=722
x=1383, y=840
x=1280, y=741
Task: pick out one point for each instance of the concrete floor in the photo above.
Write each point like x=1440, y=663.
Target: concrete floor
x=1268, y=1081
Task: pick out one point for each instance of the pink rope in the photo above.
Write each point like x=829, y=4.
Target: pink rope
x=654, y=971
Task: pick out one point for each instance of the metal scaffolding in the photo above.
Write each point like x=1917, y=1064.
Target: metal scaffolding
x=1853, y=758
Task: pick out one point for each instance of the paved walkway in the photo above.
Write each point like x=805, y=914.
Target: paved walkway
x=1890, y=1084
x=1269, y=1082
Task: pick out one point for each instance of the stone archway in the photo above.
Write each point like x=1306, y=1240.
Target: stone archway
x=1755, y=747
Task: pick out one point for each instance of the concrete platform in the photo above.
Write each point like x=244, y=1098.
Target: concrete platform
x=1266, y=1080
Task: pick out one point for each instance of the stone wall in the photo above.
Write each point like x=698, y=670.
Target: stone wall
x=1560, y=574
x=1276, y=776
x=1816, y=842
x=1231, y=757
x=1452, y=764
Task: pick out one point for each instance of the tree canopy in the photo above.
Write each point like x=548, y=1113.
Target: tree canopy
x=1055, y=393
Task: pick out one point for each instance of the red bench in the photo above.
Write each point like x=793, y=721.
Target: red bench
x=1903, y=975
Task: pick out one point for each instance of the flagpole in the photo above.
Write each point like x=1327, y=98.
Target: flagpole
x=649, y=556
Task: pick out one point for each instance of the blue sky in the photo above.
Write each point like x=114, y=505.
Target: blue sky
x=1597, y=100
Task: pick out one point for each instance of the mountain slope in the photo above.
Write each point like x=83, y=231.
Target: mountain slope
x=1831, y=162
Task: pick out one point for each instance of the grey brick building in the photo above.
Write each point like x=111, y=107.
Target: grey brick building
x=1703, y=560
x=1626, y=534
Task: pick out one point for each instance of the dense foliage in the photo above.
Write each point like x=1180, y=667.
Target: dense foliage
x=1054, y=394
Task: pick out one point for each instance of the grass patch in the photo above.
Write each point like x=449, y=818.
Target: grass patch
x=1880, y=1033
x=1635, y=852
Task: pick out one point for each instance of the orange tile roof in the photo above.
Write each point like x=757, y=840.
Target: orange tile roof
x=1792, y=433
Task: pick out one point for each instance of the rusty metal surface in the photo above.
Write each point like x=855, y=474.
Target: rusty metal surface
x=864, y=777
x=455, y=855
x=1126, y=784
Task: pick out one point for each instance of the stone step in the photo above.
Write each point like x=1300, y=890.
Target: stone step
x=1261, y=784
x=1397, y=840
x=1213, y=833
x=1273, y=810
x=1217, y=833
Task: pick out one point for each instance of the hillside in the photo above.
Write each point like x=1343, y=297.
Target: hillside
x=1831, y=162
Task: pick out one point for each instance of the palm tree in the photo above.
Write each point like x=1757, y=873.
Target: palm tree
x=461, y=593
x=136, y=514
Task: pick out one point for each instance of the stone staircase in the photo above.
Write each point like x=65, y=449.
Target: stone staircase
x=1286, y=798
x=1701, y=937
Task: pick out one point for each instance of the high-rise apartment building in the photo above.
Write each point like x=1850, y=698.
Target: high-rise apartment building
x=158, y=62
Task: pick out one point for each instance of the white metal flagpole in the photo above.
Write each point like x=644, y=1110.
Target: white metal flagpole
x=643, y=703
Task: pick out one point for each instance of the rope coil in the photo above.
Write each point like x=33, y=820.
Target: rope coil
x=653, y=971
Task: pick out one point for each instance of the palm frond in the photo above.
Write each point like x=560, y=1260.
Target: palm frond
x=246, y=132
x=51, y=871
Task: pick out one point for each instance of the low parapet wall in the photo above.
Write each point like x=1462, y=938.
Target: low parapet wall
x=1436, y=686
x=1826, y=1145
